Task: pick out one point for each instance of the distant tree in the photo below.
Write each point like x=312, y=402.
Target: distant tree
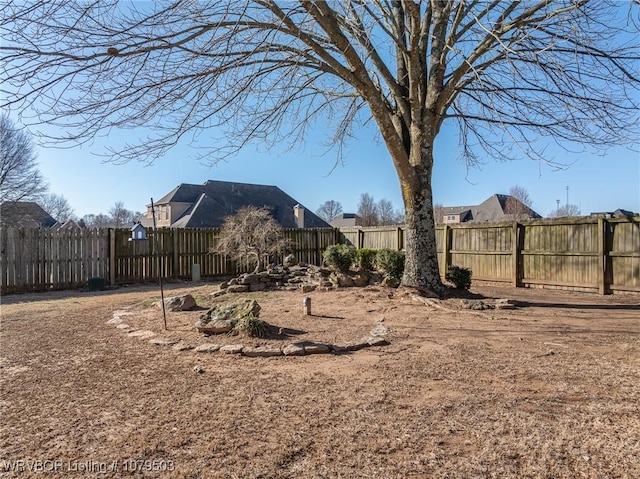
x=57, y=206
x=565, y=210
x=95, y=221
x=438, y=213
x=387, y=214
x=519, y=202
x=120, y=216
x=368, y=210
x=20, y=179
x=251, y=235
x=329, y=210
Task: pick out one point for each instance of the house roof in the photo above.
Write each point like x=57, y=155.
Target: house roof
x=25, y=214
x=493, y=208
x=213, y=201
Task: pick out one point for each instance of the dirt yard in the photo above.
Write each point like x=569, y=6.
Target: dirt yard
x=550, y=389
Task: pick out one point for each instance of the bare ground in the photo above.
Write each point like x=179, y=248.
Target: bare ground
x=551, y=389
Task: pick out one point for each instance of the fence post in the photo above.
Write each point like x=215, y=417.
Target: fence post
x=516, y=255
x=318, y=249
x=446, y=248
x=602, y=256
x=399, y=238
x=112, y=256
x=175, y=273
x=360, y=238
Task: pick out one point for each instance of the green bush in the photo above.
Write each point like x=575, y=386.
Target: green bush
x=366, y=258
x=340, y=256
x=250, y=325
x=459, y=276
x=391, y=262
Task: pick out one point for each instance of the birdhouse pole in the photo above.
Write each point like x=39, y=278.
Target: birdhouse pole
x=159, y=259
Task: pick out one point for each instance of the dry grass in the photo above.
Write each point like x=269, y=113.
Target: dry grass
x=457, y=394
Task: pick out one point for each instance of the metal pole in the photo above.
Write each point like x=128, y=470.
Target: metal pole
x=155, y=234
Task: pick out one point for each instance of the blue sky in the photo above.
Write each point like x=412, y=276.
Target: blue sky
x=92, y=185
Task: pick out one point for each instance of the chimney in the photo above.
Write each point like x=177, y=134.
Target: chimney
x=298, y=213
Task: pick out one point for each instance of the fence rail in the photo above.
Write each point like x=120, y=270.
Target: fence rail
x=599, y=255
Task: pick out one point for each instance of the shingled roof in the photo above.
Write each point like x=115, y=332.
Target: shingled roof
x=493, y=208
x=211, y=202
x=24, y=214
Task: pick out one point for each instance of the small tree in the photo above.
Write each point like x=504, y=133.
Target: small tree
x=252, y=235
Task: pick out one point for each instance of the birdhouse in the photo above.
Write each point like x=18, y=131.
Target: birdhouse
x=138, y=232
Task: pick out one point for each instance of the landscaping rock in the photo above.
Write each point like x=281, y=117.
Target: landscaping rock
x=476, y=304
x=182, y=347
x=123, y=326
x=295, y=349
x=390, y=282
x=218, y=293
x=183, y=302
x=316, y=348
x=238, y=288
x=376, y=341
x=232, y=349
x=207, y=348
x=307, y=288
x=217, y=326
x=289, y=260
x=360, y=280
x=257, y=286
x=505, y=304
x=220, y=318
x=262, y=352
x=164, y=341
x=350, y=346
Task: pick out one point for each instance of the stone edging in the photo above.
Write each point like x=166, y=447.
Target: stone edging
x=302, y=348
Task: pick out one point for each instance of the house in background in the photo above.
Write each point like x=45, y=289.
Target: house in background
x=346, y=220
x=207, y=205
x=24, y=214
x=494, y=208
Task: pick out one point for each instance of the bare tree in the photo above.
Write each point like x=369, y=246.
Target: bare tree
x=329, y=210
x=120, y=216
x=565, y=210
x=57, y=206
x=518, y=204
x=252, y=235
x=20, y=178
x=506, y=73
x=387, y=214
x=95, y=221
x=367, y=210
x=438, y=213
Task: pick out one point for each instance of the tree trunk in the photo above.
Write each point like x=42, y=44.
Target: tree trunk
x=421, y=269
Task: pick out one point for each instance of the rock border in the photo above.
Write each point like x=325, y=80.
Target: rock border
x=377, y=337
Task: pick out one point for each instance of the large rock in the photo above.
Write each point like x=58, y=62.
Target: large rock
x=221, y=318
x=184, y=302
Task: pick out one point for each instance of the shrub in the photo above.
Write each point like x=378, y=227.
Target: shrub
x=250, y=325
x=391, y=262
x=459, y=276
x=366, y=258
x=340, y=256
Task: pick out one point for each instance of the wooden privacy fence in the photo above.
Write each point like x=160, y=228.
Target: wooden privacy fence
x=41, y=259
x=584, y=254
x=600, y=255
